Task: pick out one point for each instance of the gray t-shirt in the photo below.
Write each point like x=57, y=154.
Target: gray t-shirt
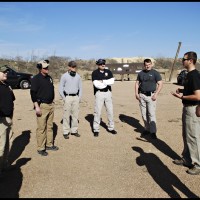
x=148, y=80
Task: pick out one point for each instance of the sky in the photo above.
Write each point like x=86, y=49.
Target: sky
x=93, y=30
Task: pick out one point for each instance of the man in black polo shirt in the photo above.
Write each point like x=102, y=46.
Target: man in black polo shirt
x=102, y=80
x=190, y=96
x=6, y=114
x=147, y=87
x=42, y=95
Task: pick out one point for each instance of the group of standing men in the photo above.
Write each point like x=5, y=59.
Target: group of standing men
x=147, y=87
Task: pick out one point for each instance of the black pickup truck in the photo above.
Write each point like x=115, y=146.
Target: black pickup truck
x=18, y=79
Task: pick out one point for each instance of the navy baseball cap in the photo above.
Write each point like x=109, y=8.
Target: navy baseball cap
x=101, y=62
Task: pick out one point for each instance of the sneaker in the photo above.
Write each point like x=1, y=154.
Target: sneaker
x=153, y=136
x=113, y=131
x=43, y=153
x=76, y=134
x=193, y=171
x=182, y=162
x=66, y=136
x=53, y=148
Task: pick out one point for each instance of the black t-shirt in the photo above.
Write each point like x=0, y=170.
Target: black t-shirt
x=148, y=80
x=191, y=84
x=7, y=98
x=98, y=75
x=42, y=88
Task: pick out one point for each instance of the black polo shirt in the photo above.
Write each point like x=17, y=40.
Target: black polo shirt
x=191, y=84
x=42, y=88
x=148, y=80
x=98, y=75
x=7, y=98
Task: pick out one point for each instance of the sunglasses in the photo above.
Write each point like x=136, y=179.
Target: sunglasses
x=183, y=59
x=46, y=68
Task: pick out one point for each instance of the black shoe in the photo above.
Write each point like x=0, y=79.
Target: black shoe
x=43, y=153
x=183, y=163
x=96, y=134
x=53, y=148
x=66, y=136
x=76, y=134
x=113, y=131
x=153, y=136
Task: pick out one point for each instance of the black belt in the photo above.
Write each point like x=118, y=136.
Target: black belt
x=45, y=101
x=104, y=90
x=187, y=105
x=70, y=95
x=65, y=94
x=147, y=93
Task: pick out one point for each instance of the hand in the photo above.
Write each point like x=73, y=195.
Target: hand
x=154, y=97
x=137, y=96
x=38, y=111
x=178, y=95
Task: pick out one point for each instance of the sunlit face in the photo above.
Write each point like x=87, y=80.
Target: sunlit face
x=45, y=70
x=72, y=69
x=101, y=67
x=3, y=76
x=186, y=61
x=148, y=66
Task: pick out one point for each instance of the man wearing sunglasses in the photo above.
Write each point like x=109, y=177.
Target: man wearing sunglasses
x=42, y=95
x=7, y=99
x=190, y=97
x=102, y=80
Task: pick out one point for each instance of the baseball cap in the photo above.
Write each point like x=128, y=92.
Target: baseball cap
x=3, y=69
x=101, y=62
x=44, y=63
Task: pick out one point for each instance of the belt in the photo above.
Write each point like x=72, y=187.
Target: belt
x=187, y=105
x=147, y=93
x=104, y=90
x=71, y=95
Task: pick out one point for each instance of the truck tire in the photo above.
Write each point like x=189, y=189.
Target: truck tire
x=24, y=84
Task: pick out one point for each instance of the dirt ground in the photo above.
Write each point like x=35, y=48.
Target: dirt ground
x=109, y=166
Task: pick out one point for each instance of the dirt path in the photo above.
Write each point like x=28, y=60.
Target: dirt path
x=123, y=165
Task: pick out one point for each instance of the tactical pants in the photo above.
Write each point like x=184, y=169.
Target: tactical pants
x=44, y=131
x=148, y=110
x=71, y=108
x=6, y=139
x=103, y=98
x=191, y=135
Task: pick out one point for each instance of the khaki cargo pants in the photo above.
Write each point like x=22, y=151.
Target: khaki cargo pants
x=6, y=139
x=44, y=131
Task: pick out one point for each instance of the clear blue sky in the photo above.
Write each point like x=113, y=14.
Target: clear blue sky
x=90, y=30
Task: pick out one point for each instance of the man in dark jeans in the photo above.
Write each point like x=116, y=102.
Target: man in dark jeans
x=190, y=97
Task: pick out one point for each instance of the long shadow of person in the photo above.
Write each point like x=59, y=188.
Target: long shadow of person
x=90, y=118
x=55, y=131
x=18, y=145
x=162, y=175
x=158, y=143
x=11, y=182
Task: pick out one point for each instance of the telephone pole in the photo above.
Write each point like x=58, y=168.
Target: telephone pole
x=172, y=68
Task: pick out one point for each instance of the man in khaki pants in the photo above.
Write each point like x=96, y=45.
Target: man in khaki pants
x=42, y=95
x=147, y=87
x=70, y=89
x=6, y=114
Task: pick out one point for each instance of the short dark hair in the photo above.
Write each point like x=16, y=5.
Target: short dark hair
x=72, y=64
x=192, y=55
x=147, y=60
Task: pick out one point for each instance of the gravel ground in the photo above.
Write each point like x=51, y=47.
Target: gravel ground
x=110, y=166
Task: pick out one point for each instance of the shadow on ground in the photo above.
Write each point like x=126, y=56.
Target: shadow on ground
x=162, y=175
x=158, y=143
x=11, y=181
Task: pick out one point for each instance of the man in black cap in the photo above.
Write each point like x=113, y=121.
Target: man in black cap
x=7, y=99
x=42, y=95
x=102, y=80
